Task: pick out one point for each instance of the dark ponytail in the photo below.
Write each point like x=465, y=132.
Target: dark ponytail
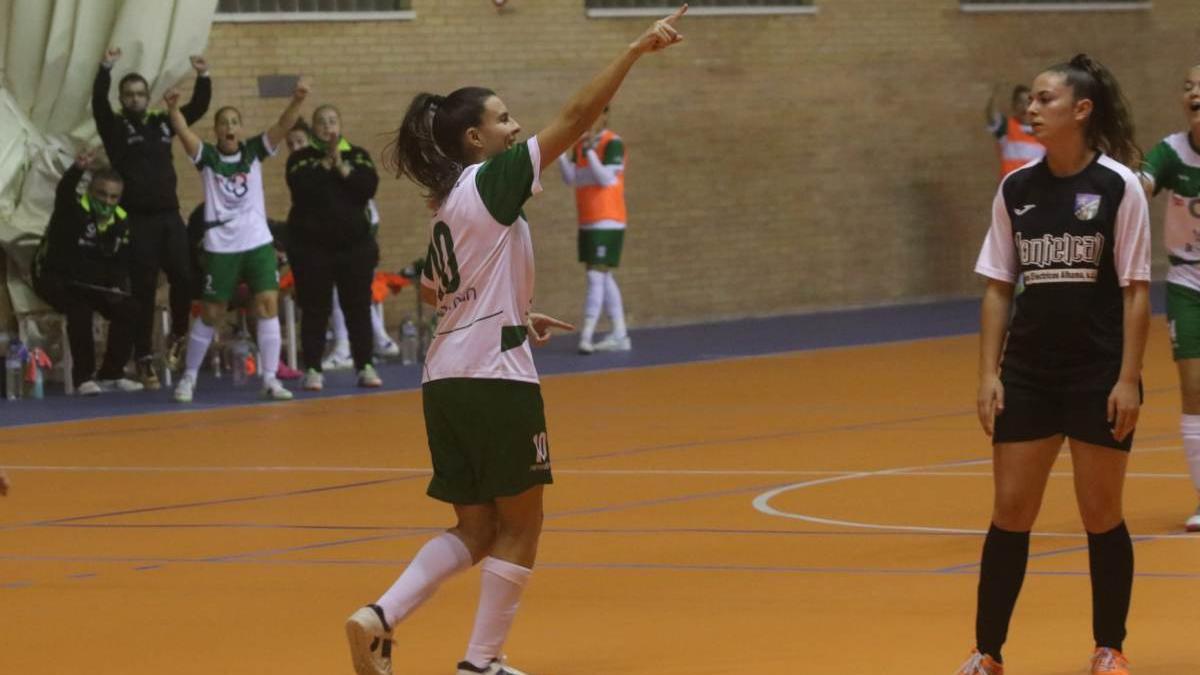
x=1110, y=126
x=428, y=147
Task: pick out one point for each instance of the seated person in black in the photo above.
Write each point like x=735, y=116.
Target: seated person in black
x=81, y=267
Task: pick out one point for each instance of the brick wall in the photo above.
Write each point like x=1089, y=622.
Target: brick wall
x=776, y=163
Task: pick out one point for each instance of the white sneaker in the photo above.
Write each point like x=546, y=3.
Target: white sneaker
x=496, y=667
x=586, y=347
x=89, y=388
x=367, y=377
x=183, y=390
x=612, y=343
x=1193, y=523
x=370, y=642
x=389, y=349
x=273, y=390
x=121, y=384
x=313, y=380
x=339, y=358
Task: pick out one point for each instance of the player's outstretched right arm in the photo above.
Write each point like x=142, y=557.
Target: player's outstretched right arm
x=586, y=105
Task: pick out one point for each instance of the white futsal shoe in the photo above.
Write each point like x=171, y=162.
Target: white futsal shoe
x=123, y=384
x=370, y=641
x=1193, y=523
x=613, y=343
x=273, y=390
x=185, y=389
x=388, y=349
x=496, y=667
x=339, y=358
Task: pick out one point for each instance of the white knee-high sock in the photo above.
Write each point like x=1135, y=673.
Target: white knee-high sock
x=593, y=302
x=499, y=597
x=614, y=306
x=381, y=334
x=1190, y=425
x=337, y=321
x=439, y=559
x=200, y=336
x=269, y=342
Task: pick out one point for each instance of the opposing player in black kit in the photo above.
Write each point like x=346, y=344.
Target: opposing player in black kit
x=1076, y=225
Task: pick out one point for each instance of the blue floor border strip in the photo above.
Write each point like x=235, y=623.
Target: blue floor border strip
x=651, y=347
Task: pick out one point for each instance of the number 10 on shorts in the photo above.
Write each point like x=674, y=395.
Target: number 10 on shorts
x=541, y=445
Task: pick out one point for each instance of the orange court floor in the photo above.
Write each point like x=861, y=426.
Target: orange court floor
x=809, y=512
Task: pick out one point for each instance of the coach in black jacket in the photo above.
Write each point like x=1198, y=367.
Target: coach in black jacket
x=82, y=266
x=330, y=242
x=138, y=143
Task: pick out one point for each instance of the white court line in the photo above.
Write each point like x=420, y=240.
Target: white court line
x=927, y=470
x=762, y=503
x=580, y=472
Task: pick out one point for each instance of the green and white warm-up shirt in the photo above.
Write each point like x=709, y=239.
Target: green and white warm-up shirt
x=1174, y=165
x=235, y=210
x=480, y=262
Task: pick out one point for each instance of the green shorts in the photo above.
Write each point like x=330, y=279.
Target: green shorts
x=487, y=439
x=601, y=247
x=1183, y=319
x=222, y=272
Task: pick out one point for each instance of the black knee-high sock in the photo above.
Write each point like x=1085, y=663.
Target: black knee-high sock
x=1001, y=573
x=1110, y=555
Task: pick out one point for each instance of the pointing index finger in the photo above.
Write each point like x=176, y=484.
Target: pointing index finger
x=677, y=14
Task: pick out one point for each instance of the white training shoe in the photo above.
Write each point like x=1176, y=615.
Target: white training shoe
x=370, y=641
x=496, y=667
x=586, y=347
x=273, y=390
x=121, y=384
x=339, y=358
x=313, y=380
x=1193, y=523
x=185, y=388
x=89, y=388
x=388, y=349
x=612, y=343
x=367, y=377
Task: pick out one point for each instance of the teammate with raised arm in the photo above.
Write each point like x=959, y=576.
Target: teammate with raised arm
x=237, y=242
x=138, y=143
x=483, y=406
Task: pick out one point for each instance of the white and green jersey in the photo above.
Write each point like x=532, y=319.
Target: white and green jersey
x=480, y=263
x=234, y=208
x=1174, y=165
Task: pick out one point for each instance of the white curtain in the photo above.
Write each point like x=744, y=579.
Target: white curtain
x=49, y=52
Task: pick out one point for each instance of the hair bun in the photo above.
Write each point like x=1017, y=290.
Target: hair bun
x=1084, y=62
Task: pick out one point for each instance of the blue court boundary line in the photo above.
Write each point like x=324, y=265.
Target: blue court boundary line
x=659, y=346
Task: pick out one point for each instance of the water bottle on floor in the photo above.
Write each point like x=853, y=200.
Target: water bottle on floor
x=13, y=366
x=408, y=342
x=240, y=355
x=37, y=373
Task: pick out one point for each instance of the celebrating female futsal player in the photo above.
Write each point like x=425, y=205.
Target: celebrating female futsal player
x=483, y=405
x=1076, y=225
x=1174, y=165
x=237, y=243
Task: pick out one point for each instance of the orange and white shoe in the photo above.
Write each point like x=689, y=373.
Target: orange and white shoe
x=1106, y=661
x=980, y=664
